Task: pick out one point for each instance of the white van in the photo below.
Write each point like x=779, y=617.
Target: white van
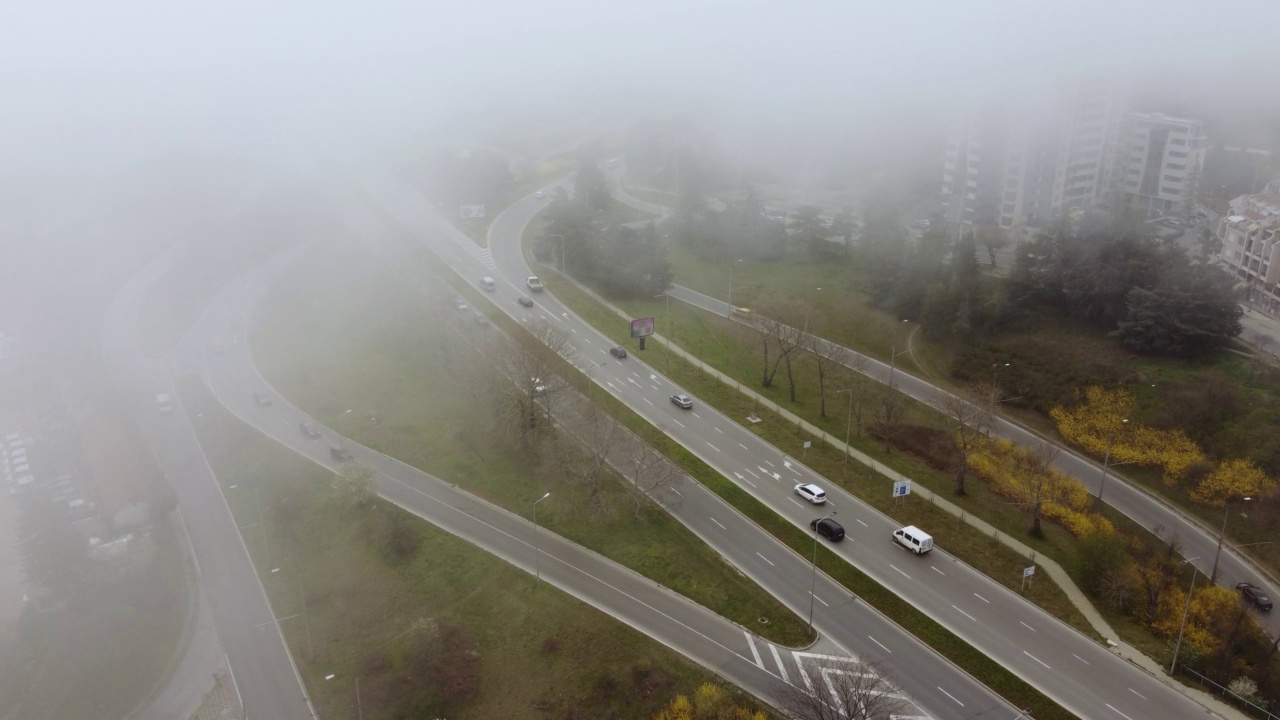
x=488, y=284
x=913, y=539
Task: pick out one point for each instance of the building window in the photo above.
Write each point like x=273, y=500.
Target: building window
x=1176, y=166
x=1177, y=141
x=1176, y=154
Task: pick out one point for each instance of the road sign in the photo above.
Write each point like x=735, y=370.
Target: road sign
x=807, y=443
x=1028, y=572
x=901, y=488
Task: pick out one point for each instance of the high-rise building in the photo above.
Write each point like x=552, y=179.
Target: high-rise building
x=1250, y=236
x=1156, y=162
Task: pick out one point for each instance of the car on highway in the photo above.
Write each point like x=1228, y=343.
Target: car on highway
x=812, y=493
x=827, y=528
x=341, y=453
x=682, y=400
x=913, y=539
x=1254, y=596
x=481, y=318
x=525, y=301
x=310, y=429
x=460, y=304
x=534, y=283
x=540, y=194
x=488, y=283
x=261, y=398
x=618, y=352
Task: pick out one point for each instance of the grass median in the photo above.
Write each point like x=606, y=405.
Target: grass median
x=352, y=346
x=352, y=609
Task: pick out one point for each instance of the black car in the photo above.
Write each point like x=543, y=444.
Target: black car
x=618, y=352
x=525, y=301
x=828, y=528
x=1254, y=596
x=340, y=453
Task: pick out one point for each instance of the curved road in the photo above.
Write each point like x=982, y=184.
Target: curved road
x=1198, y=542
x=1075, y=671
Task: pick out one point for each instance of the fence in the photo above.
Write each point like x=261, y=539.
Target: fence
x=1228, y=693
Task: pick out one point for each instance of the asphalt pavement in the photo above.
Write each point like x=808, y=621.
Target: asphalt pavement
x=1077, y=672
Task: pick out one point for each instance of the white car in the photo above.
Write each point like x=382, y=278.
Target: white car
x=540, y=194
x=812, y=493
x=534, y=283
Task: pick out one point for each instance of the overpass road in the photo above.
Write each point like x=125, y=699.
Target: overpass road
x=1075, y=671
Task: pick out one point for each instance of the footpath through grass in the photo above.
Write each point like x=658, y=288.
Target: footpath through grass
x=337, y=335
x=369, y=611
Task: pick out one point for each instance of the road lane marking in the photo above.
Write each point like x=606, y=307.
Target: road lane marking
x=895, y=567
x=754, y=652
x=719, y=431
x=781, y=668
x=1026, y=626
x=824, y=602
x=696, y=415
x=588, y=340
x=744, y=447
x=794, y=501
x=764, y=558
x=982, y=598
x=1135, y=692
x=953, y=697
x=862, y=523
x=677, y=422
x=770, y=464
x=1086, y=662
x=1126, y=717
x=752, y=474
x=718, y=523
x=655, y=387
x=648, y=401
x=953, y=607
x=935, y=569
x=880, y=644
x=1033, y=657
x=677, y=492
x=286, y=422
x=713, y=447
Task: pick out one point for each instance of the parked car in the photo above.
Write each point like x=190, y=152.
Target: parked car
x=261, y=398
x=682, y=400
x=341, y=453
x=534, y=283
x=618, y=352
x=525, y=300
x=828, y=528
x=1254, y=596
x=812, y=493
x=460, y=304
x=310, y=429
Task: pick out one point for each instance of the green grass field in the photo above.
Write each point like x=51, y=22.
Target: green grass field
x=362, y=606
x=366, y=344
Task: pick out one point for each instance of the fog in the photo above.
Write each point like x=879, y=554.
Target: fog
x=91, y=86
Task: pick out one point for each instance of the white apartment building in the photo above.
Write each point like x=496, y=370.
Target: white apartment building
x=1250, y=236
x=1156, y=162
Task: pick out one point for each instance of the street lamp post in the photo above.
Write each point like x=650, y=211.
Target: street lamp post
x=1106, y=460
x=729, y=300
x=813, y=578
x=893, y=351
x=995, y=374
x=1186, y=609
x=537, y=553
x=848, y=427
x=666, y=320
x=1213, y=575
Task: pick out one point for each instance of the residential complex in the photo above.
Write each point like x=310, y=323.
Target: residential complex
x=1025, y=166
x=1250, y=236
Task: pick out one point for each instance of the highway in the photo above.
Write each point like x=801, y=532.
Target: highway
x=1198, y=542
x=265, y=677
x=1075, y=671
x=724, y=647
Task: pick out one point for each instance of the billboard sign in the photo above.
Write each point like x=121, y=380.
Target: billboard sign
x=642, y=327
x=472, y=212
x=901, y=488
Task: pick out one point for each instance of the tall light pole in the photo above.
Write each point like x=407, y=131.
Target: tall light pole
x=995, y=374
x=1106, y=460
x=1178, y=645
x=813, y=578
x=1213, y=575
x=893, y=351
x=848, y=426
x=806, y=313
x=537, y=553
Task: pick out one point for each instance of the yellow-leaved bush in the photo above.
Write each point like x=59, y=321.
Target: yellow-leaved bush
x=1100, y=420
x=1063, y=500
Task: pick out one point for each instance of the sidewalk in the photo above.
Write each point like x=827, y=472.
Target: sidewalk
x=1052, y=568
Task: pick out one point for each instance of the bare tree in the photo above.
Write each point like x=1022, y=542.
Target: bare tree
x=888, y=408
x=828, y=357
x=1036, y=483
x=521, y=378
x=778, y=341
x=842, y=689
x=589, y=465
x=994, y=238
x=969, y=416
x=650, y=474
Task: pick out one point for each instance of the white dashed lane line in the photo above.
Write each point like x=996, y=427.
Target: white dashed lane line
x=1026, y=626
x=648, y=401
x=1126, y=717
x=824, y=602
x=677, y=422
x=764, y=558
x=794, y=501
x=588, y=340
x=953, y=697
x=717, y=522
x=982, y=598
x=744, y=447
x=1086, y=662
x=719, y=431
x=953, y=607
x=770, y=464
x=696, y=415
x=1135, y=692
x=862, y=523
x=880, y=644
x=713, y=447
x=753, y=474
x=1033, y=657
x=935, y=569
x=895, y=567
